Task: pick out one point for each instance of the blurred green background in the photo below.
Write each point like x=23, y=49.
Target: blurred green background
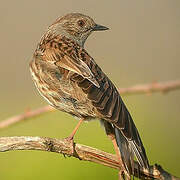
x=142, y=46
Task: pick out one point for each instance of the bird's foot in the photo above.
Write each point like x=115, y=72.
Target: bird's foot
x=70, y=140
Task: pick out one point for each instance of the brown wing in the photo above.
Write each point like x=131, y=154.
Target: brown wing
x=62, y=52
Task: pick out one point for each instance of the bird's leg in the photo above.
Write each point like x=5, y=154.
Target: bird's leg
x=75, y=129
x=122, y=172
x=71, y=137
x=110, y=133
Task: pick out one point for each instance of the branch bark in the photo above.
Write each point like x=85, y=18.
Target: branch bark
x=81, y=152
x=137, y=89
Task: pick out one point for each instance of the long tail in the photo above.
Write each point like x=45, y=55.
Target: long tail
x=127, y=137
x=128, y=140
x=128, y=148
x=127, y=155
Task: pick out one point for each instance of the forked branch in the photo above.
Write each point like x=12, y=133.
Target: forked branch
x=80, y=151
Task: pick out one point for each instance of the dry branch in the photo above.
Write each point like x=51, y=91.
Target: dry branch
x=137, y=89
x=163, y=87
x=80, y=151
x=26, y=115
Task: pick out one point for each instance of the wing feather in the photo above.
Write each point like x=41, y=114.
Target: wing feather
x=65, y=55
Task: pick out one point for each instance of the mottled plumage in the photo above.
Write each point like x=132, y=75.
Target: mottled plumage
x=71, y=81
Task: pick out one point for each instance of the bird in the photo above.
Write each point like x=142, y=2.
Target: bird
x=71, y=81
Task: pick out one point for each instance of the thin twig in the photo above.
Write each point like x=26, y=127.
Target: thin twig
x=137, y=89
x=81, y=152
x=26, y=115
x=163, y=87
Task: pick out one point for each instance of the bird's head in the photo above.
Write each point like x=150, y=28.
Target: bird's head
x=76, y=27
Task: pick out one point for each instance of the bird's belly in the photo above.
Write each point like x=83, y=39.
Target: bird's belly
x=62, y=95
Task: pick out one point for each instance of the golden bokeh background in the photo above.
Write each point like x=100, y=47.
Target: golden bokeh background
x=142, y=46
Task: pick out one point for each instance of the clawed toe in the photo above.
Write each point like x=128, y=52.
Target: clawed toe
x=70, y=140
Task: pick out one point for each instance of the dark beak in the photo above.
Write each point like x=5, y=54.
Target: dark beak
x=98, y=27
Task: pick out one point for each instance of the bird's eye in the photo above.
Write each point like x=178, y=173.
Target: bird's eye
x=81, y=23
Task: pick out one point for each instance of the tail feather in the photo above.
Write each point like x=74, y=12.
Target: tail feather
x=125, y=151
x=130, y=138
x=128, y=149
x=138, y=155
